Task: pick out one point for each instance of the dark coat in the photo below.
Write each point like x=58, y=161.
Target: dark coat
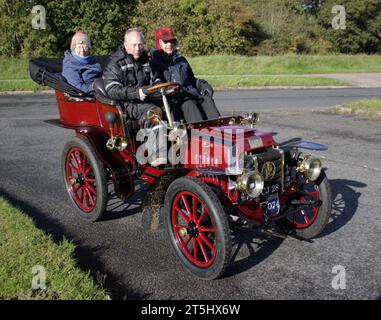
x=124, y=76
x=80, y=75
x=174, y=68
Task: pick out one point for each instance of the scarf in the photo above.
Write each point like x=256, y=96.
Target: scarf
x=85, y=60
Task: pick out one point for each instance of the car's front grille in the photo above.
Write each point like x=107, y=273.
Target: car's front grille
x=268, y=158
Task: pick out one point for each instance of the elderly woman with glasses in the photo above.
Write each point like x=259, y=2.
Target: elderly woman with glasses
x=79, y=68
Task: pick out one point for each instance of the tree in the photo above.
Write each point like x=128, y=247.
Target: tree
x=287, y=28
x=202, y=26
x=104, y=21
x=13, y=18
x=362, y=26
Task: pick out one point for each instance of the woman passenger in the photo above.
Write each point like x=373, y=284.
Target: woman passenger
x=79, y=67
x=170, y=66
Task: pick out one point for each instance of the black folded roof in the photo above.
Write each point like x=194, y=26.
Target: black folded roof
x=47, y=71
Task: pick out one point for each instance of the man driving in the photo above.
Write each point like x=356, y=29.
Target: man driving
x=126, y=76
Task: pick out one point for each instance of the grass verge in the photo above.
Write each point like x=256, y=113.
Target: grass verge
x=23, y=246
x=233, y=71
x=222, y=82
x=370, y=108
x=285, y=64
x=14, y=85
x=14, y=68
x=219, y=82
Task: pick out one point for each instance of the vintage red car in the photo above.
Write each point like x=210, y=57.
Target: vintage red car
x=221, y=173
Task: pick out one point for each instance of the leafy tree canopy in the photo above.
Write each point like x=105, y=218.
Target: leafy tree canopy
x=202, y=26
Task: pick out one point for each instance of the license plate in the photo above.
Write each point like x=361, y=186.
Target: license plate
x=272, y=205
x=274, y=188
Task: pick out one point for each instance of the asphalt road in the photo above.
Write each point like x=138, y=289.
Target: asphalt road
x=140, y=264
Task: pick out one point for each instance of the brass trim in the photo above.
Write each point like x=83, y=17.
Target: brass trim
x=183, y=232
x=282, y=170
x=118, y=143
x=154, y=115
x=73, y=181
x=122, y=119
x=268, y=170
x=304, y=163
x=242, y=183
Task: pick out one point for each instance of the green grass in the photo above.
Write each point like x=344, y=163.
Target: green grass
x=21, y=85
x=368, y=107
x=14, y=68
x=23, y=246
x=237, y=71
x=216, y=81
x=286, y=64
x=266, y=80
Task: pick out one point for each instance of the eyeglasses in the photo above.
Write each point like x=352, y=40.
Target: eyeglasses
x=173, y=41
x=82, y=45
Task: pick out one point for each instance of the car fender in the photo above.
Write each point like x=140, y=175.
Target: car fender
x=120, y=171
x=303, y=144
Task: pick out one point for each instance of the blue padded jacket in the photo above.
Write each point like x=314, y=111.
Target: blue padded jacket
x=174, y=68
x=80, y=75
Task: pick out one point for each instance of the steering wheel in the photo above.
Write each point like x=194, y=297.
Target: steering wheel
x=170, y=88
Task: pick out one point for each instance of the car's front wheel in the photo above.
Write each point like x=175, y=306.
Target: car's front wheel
x=308, y=221
x=198, y=227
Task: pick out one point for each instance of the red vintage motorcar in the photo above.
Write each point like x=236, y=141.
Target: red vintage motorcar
x=222, y=173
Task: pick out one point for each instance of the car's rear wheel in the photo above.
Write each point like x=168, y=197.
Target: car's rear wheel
x=198, y=227
x=85, y=179
x=307, y=221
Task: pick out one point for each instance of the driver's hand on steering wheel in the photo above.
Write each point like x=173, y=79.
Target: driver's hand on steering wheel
x=144, y=93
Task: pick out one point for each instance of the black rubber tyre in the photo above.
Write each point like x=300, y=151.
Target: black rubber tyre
x=207, y=234
x=92, y=177
x=322, y=187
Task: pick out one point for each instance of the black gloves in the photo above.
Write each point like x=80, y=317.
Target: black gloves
x=204, y=87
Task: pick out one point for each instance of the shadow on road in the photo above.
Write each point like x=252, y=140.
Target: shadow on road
x=249, y=249
x=86, y=256
x=118, y=209
x=345, y=201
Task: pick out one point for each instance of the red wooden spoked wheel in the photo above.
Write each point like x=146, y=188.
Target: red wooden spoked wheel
x=81, y=179
x=194, y=229
x=307, y=221
x=198, y=227
x=304, y=216
x=85, y=179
